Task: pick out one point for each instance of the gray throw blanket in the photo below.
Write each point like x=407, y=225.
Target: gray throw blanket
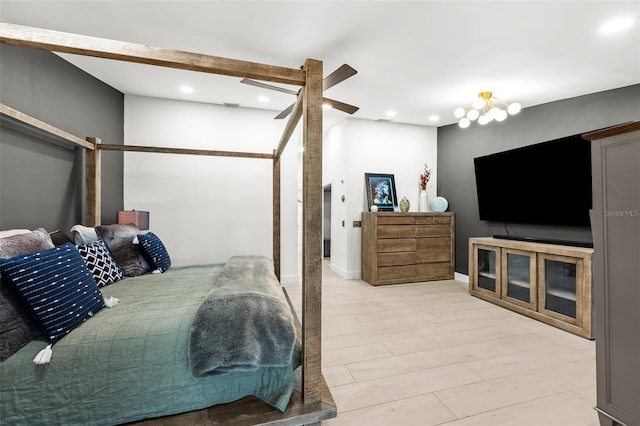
x=244, y=323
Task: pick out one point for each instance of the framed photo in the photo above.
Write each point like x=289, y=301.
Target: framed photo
x=381, y=191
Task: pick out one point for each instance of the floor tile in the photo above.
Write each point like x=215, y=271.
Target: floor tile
x=423, y=410
x=431, y=354
x=502, y=392
x=393, y=388
x=564, y=409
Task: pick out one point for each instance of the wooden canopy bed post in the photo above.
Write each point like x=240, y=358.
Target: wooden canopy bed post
x=93, y=184
x=276, y=214
x=312, y=231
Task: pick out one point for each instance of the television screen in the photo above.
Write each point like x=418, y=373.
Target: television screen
x=547, y=183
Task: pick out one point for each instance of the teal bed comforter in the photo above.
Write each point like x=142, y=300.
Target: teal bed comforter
x=130, y=362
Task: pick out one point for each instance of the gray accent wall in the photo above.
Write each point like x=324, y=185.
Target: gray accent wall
x=42, y=184
x=458, y=147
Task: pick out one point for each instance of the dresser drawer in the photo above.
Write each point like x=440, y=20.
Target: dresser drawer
x=433, y=220
x=386, y=245
x=396, y=273
x=400, y=258
x=434, y=271
x=433, y=249
x=396, y=231
x=396, y=220
x=433, y=230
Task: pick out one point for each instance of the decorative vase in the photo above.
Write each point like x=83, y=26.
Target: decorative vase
x=404, y=205
x=424, y=201
x=438, y=204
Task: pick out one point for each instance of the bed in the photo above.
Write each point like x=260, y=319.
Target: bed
x=135, y=360
x=313, y=402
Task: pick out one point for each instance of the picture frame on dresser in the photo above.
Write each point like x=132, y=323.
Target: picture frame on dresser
x=381, y=191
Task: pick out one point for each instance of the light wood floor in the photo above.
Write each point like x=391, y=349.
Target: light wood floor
x=430, y=354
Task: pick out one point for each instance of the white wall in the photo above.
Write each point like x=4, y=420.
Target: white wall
x=334, y=168
x=206, y=209
x=354, y=147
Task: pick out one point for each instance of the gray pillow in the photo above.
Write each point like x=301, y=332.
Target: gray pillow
x=119, y=241
x=16, y=326
x=31, y=242
x=15, y=331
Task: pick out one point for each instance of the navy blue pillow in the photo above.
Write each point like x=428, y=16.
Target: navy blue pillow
x=154, y=252
x=57, y=288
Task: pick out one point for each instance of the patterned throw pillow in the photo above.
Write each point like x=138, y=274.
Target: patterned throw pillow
x=57, y=288
x=154, y=251
x=104, y=269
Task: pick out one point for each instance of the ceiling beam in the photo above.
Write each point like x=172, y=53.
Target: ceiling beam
x=56, y=41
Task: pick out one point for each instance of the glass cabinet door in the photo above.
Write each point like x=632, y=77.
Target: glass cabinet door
x=559, y=289
x=487, y=269
x=519, y=277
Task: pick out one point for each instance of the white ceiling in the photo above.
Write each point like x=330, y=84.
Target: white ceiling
x=418, y=58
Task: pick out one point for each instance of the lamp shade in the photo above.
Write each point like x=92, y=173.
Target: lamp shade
x=136, y=217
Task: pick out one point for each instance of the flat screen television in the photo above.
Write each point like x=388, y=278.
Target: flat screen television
x=547, y=183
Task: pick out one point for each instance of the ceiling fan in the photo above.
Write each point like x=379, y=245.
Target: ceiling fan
x=342, y=73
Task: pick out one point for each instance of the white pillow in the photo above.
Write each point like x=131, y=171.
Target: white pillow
x=84, y=234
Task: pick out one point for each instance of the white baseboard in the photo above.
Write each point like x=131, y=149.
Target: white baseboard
x=345, y=274
x=461, y=277
x=290, y=280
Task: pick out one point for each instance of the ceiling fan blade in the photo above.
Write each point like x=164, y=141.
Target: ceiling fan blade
x=349, y=109
x=286, y=112
x=342, y=73
x=267, y=86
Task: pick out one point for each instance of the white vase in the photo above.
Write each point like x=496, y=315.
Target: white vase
x=424, y=201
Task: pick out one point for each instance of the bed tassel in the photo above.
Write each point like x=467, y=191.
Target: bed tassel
x=110, y=301
x=44, y=356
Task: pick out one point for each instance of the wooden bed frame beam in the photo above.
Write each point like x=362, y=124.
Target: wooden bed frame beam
x=294, y=119
x=56, y=41
x=42, y=126
x=186, y=151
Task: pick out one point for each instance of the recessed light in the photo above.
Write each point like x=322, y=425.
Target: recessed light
x=390, y=113
x=434, y=118
x=616, y=25
x=186, y=89
x=326, y=106
x=263, y=99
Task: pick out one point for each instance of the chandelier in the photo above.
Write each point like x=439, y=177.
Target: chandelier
x=485, y=109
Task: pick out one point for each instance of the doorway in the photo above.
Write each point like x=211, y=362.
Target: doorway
x=326, y=222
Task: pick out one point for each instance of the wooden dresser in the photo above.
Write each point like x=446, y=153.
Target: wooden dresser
x=407, y=247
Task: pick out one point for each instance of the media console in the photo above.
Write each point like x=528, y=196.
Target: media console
x=548, y=282
x=586, y=244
